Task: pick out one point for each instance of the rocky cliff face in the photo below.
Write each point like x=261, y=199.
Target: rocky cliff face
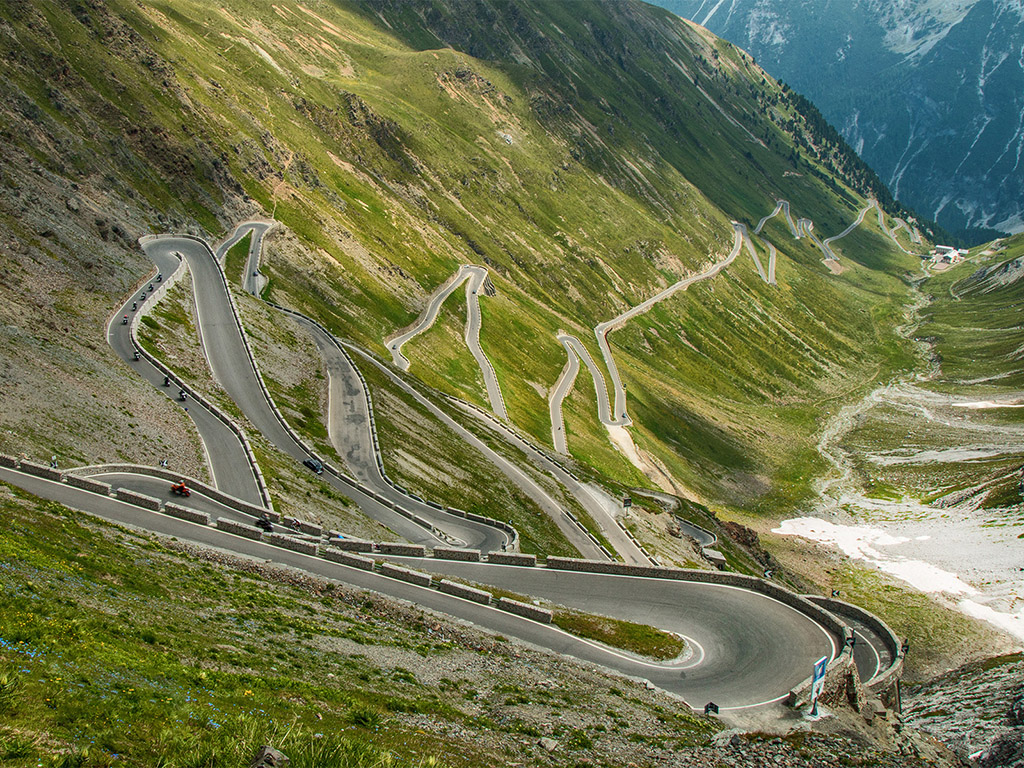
x=930, y=93
x=977, y=709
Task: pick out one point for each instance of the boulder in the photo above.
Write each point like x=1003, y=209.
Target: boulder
x=268, y=757
x=1005, y=751
x=729, y=738
x=1016, y=712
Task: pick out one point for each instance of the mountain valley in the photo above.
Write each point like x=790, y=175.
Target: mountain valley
x=684, y=289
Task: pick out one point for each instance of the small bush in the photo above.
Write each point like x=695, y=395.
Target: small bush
x=364, y=716
x=9, y=688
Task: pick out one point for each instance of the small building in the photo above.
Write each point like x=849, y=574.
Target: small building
x=947, y=254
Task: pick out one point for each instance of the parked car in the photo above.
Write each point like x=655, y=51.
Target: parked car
x=315, y=465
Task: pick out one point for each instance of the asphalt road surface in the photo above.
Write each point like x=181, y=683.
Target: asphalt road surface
x=229, y=465
x=475, y=278
x=618, y=416
x=746, y=650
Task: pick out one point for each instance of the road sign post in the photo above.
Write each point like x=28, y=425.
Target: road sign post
x=817, y=683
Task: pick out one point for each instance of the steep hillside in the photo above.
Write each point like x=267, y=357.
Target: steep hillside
x=588, y=155
x=123, y=649
x=928, y=93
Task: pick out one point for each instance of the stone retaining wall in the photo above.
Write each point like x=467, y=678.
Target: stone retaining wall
x=422, y=522
x=887, y=678
x=280, y=540
x=511, y=558
x=751, y=583
x=535, y=612
x=404, y=574
x=88, y=484
x=352, y=545
x=184, y=513
x=10, y=462
x=469, y=593
x=311, y=528
x=404, y=550
x=839, y=675
x=40, y=470
x=345, y=558
x=464, y=555
x=240, y=529
x=138, y=499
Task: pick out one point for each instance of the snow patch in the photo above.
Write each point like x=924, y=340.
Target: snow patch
x=871, y=544
x=862, y=543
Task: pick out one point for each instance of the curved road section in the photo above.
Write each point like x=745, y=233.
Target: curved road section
x=576, y=351
x=475, y=278
x=229, y=463
x=234, y=369
x=746, y=649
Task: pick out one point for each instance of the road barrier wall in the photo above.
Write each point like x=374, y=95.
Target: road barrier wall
x=404, y=574
x=40, y=470
x=465, y=555
x=184, y=513
x=887, y=678
x=535, y=612
x=352, y=545
x=423, y=522
x=88, y=484
x=469, y=593
x=11, y=462
x=311, y=529
x=751, y=583
x=280, y=540
x=404, y=550
x=239, y=505
x=838, y=677
x=346, y=558
x=511, y=558
x=138, y=499
x=239, y=529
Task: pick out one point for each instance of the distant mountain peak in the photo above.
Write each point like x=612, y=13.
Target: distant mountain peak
x=929, y=92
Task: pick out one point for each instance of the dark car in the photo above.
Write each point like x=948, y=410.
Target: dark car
x=315, y=465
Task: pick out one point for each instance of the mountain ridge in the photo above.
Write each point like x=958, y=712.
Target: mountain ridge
x=926, y=92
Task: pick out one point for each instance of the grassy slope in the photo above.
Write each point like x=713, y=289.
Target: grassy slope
x=969, y=328
x=116, y=647
x=522, y=227
x=391, y=159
